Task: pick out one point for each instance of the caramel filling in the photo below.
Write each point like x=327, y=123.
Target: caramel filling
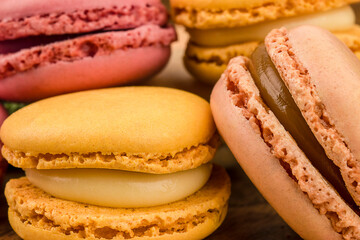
x=278, y=98
x=333, y=20
x=116, y=188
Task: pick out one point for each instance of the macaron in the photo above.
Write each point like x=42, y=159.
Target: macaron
x=221, y=30
x=289, y=115
x=49, y=48
x=118, y=163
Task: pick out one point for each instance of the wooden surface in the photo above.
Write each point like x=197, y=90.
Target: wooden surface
x=249, y=215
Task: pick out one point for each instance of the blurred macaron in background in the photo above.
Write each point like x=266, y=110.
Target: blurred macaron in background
x=221, y=30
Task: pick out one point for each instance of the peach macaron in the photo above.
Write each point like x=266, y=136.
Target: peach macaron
x=289, y=115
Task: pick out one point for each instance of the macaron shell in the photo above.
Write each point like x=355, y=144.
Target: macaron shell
x=246, y=4
x=195, y=217
x=351, y=38
x=205, y=72
x=29, y=232
x=334, y=20
x=156, y=163
x=123, y=128
x=10, y=9
x=337, y=82
x=83, y=19
x=237, y=125
x=206, y=14
x=86, y=62
x=207, y=64
x=87, y=73
x=127, y=119
x=226, y=4
x=327, y=91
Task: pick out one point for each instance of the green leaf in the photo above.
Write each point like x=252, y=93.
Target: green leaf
x=12, y=107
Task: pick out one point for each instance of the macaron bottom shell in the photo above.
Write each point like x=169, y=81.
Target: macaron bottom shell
x=68, y=17
x=195, y=217
x=120, y=67
x=205, y=72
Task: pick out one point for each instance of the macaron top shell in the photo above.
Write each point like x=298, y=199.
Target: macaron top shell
x=130, y=119
x=326, y=90
x=221, y=5
x=153, y=122
x=230, y=4
x=33, y=18
x=87, y=46
x=337, y=83
x=10, y=9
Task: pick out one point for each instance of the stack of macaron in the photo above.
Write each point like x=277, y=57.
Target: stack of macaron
x=53, y=47
x=221, y=30
x=118, y=163
x=290, y=115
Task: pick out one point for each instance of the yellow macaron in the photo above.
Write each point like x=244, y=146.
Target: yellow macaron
x=81, y=151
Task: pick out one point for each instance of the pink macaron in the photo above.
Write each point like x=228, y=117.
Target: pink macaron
x=53, y=47
x=290, y=116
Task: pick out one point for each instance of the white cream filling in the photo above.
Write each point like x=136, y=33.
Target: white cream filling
x=333, y=20
x=115, y=188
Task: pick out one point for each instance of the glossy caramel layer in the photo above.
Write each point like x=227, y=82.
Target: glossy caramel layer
x=278, y=98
